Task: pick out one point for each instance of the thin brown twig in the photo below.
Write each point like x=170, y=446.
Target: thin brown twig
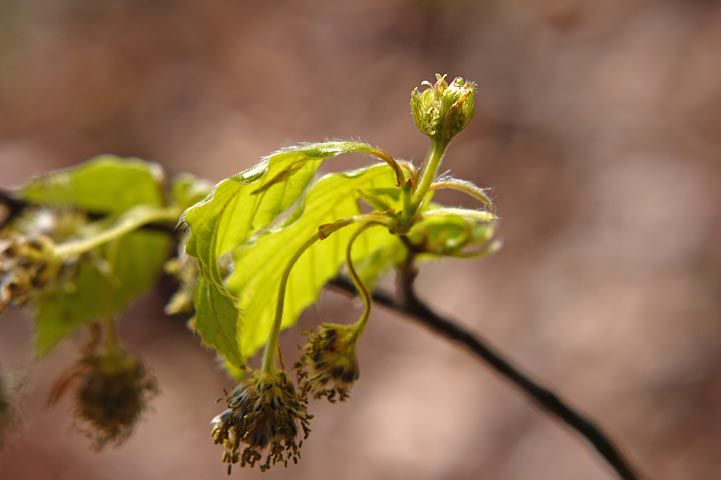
x=415, y=309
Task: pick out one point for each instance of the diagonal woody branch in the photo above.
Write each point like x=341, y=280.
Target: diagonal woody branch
x=415, y=309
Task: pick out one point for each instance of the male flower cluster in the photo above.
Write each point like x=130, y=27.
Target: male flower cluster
x=265, y=417
x=328, y=365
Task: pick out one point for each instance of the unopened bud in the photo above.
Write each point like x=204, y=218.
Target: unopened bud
x=442, y=110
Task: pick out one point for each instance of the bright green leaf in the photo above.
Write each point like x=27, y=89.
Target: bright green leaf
x=242, y=206
x=105, y=184
x=251, y=200
x=215, y=321
x=259, y=266
x=447, y=235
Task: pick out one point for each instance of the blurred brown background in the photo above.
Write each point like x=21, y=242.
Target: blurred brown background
x=598, y=126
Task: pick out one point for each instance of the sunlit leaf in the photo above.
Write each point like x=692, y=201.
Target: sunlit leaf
x=382, y=258
x=240, y=207
x=259, y=266
x=251, y=200
x=105, y=184
x=216, y=321
x=449, y=234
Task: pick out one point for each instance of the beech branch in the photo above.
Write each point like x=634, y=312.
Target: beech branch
x=413, y=308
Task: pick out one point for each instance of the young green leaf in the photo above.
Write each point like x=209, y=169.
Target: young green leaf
x=251, y=200
x=259, y=265
x=448, y=234
x=240, y=207
x=104, y=184
x=381, y=259
x=216, y=321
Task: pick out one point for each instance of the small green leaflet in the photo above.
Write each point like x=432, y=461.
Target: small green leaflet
x=259, y=265
x=241, y=205
x=238, y=208
x=449, y=235
x=104, y=184
x=108, y=280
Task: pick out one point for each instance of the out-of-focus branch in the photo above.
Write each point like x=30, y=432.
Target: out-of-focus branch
x=415, y=309
x=16, y=205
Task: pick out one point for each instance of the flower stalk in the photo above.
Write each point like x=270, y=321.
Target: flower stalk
x=268, y=364
x=358, y=282
x=271, y=346
x=429, y=172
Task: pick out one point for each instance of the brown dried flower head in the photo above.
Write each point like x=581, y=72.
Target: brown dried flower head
x=265, y=417
x=328, y=365
x=112, y=392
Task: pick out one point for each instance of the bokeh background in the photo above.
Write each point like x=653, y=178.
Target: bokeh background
x=598, y=126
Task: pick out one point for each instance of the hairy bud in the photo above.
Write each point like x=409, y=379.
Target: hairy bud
x=443, y=110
